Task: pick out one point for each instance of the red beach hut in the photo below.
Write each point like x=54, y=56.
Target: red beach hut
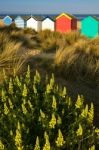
x=66, y=22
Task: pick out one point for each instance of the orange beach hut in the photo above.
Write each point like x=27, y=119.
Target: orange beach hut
x=66, y=22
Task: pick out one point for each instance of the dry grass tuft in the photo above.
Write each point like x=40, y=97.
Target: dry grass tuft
x=48, y=40
x=80, y=61
x=11, y=55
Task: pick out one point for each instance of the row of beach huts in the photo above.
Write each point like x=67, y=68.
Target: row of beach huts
x=64, y=22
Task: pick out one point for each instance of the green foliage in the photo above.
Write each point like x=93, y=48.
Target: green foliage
x=39, y=115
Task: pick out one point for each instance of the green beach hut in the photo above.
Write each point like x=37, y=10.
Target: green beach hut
x=90, y=27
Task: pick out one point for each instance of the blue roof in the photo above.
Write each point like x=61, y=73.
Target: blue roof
x=49, y=17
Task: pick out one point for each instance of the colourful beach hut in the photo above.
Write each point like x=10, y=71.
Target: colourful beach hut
x=90, y=27
x=1, y=22
x=66, y=22
x=19, y=22
x=48, y=23
x=7, y=20
x=35, y=23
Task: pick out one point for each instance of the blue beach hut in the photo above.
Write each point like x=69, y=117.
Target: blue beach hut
x=19, y=22
x=7, y=20
x=90, y=27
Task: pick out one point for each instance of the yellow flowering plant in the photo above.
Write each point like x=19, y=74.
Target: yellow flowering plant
x=40, y=115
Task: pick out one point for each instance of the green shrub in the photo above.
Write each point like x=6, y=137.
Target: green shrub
x=39, y=115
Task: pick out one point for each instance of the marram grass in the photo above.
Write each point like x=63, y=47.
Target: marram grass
x=11, y=55
x=79, y=61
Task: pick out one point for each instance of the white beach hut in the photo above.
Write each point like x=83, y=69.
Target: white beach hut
x=34, y=23
x=48, y=23
x=19, y=22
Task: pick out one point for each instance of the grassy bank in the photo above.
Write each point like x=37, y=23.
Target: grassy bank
x=73, y=58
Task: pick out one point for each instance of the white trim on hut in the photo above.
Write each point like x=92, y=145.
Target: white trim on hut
x=49, y=24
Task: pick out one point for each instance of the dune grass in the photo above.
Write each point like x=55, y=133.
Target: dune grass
x=76, y=57
x=47, y=41
x=80, y=61
x=12, y=55
x=52, y=41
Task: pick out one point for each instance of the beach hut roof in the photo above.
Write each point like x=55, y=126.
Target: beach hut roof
x=7, y=17
x=50, y=17
x=12, y=16
x=26, y=17
x=94, y=17
x=37, y=18
x=67, y=15
x=19, y=17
